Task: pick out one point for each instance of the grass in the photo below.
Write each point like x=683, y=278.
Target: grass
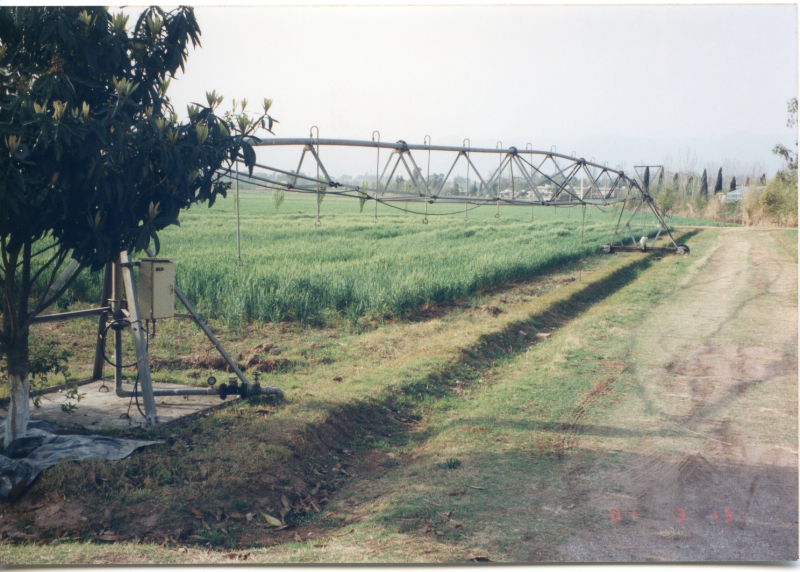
x=408, y=385
x=239, y=454
x=449, y=383
x=292, y=270
x=534, y=426
x=349, y=273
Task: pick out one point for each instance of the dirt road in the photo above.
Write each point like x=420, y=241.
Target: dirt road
x=712, y=472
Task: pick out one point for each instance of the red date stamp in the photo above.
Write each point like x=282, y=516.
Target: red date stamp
x=617, y=516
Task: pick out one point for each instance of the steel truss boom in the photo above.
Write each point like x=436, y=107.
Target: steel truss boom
x=547, y=178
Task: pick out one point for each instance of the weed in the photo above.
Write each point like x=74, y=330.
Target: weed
x=72, y=393
x=216, y=538
x=164, y=477
x=451, y=463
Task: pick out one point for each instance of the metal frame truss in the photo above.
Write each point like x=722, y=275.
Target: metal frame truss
x=547, y=178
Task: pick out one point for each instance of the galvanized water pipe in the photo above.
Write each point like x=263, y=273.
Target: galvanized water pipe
x=278, y=142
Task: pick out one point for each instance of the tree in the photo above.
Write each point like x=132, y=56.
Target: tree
x=704, y=185
x=96, y=160
x=733, y=183
x=789, y=156
x=435, y=181
x=646, y=180
x=718, y=183
x=779, y=198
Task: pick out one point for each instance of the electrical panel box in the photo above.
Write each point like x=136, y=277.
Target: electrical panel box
x=156, y=288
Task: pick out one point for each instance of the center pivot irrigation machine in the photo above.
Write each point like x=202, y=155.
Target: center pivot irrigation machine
x=537, y=178
x=545, y=178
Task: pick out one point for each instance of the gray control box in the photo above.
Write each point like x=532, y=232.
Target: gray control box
x=156, y=288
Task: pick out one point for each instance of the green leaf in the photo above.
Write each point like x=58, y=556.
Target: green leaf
x=249, y=156
x=143, y=239
x=155, y=240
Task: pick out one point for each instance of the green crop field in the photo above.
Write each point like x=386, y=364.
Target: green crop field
x=294, y=270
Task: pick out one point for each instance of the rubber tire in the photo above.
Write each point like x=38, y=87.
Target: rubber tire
x=682, y=249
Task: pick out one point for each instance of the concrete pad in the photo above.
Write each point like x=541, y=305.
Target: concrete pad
x=101, y=409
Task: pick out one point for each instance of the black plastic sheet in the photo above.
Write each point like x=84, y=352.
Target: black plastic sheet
x=24, y=458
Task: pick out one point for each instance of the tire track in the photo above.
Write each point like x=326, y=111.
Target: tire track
x=716, y=484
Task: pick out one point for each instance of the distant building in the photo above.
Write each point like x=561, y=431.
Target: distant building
x=740, y=193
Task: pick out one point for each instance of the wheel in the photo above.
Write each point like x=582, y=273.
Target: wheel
x=607, y=247
x=682, y=249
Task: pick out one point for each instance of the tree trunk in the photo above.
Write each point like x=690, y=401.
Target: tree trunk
x=19, y=389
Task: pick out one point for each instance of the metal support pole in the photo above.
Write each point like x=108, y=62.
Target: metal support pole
x=630, y=232
x=116, y=312
x=207, y=331
x=377, y=175
x=210, y=335
x=427, y=140
x=583, y=223
x=616, y=230
x=99, y=362
x=138, y=340
x=663, y=223
x=238, y=230
x=64, y=316
x=499, y=177
x=316, y=156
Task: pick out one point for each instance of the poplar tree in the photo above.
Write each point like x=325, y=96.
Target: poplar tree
x=704, y=185
x=718, y=183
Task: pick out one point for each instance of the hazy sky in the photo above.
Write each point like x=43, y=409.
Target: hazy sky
x=565, y=75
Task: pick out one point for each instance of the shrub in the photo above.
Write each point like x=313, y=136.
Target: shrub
x=774, y=205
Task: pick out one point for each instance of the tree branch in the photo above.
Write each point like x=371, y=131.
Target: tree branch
x=62, y=256
x=3, y=250
x=45, y=303
x=44, y=250
x=8, y=292
x=24, y=292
